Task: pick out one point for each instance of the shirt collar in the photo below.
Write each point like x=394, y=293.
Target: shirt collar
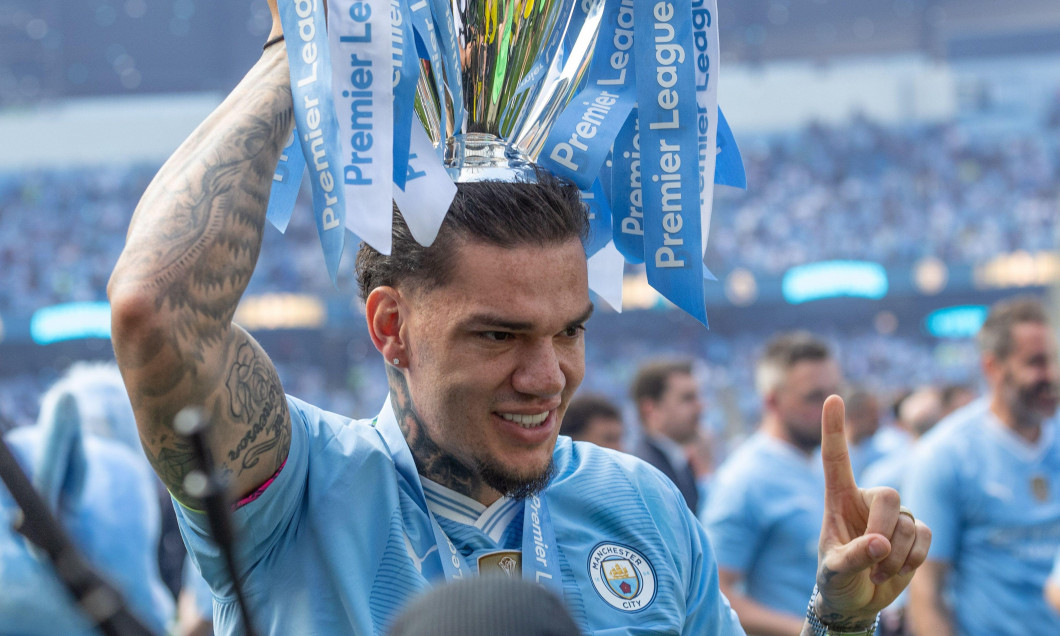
x=492, y=520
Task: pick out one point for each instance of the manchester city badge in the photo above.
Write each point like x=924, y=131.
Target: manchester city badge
x=622, y=576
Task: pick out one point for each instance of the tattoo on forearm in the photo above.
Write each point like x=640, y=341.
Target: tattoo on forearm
x=431, y=461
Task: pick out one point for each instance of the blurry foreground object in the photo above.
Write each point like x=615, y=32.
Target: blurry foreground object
x=486, y=606
x=104, y=496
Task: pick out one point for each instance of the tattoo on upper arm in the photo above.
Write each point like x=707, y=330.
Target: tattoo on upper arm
x=192, y=246
x=256, y=399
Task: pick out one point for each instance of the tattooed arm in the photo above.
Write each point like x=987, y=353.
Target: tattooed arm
x=190, y=251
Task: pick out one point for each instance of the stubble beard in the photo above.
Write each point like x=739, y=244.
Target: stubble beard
x=444, y=468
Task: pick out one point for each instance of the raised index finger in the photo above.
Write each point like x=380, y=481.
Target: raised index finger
x=838, y=475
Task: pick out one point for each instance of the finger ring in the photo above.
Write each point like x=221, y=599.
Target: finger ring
x=902, y=510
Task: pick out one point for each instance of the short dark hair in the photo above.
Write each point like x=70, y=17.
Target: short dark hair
x=504, y=214
x=784, y=352
x=584, y=408
x=652, y=377
x=995, y=336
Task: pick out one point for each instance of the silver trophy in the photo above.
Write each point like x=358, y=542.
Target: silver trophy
x=520, y=62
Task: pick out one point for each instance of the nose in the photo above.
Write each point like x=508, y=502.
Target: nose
x=540, y=370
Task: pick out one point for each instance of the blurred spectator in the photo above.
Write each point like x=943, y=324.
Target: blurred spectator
x=766, y=504
x=862, y=425
x=668, y=405
x=194, y=604
x=595, y=419
x=987, y=481
x=954, y=396
x=700, y=453
x=1052, y=585
x=104, y=495
x=918, y=412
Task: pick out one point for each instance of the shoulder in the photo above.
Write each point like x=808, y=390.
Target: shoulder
x=957, y=433
x=332, y=431
x=584, y=469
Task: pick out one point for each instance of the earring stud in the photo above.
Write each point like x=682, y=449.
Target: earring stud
x=396, y=362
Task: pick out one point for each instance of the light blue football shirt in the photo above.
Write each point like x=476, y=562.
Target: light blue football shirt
x=341, y=541
x=992, y=501
x=764, y=520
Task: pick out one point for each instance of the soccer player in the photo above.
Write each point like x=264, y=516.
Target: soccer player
x=341, y=522
x=764, y=512
x=987, y=479
x=668, y=404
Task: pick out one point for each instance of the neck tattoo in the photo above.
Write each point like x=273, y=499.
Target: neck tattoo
x=431, y=461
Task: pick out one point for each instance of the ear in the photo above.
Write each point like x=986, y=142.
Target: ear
x=384, y=312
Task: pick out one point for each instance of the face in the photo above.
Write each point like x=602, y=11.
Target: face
x=495, y=355
x=676, y=413
x=603, y=431
x=799, y=400
x=1027, y=378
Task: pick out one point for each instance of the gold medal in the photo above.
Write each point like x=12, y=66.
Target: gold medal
x=506, y=562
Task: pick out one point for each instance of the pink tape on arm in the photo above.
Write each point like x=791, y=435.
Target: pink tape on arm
x=260, y=490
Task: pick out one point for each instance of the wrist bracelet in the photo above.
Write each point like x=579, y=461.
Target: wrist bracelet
x=820, y=629
x=278, y=38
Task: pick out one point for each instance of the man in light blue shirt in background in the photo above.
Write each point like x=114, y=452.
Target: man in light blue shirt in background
x=764, y=512
x=987, y=480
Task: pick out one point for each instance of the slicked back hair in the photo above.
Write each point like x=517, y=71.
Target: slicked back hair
x=995, y=336
x=502, y=214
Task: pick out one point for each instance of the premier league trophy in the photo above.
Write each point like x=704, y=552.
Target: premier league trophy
x=396, y=101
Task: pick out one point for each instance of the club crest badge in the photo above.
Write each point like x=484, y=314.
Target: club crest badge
x=622, y=577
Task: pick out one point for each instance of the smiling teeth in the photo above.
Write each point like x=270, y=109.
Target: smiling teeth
x=526, y=421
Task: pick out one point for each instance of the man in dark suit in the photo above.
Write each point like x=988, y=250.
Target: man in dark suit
x=666, y=395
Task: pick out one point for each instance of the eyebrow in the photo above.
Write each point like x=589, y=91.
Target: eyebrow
x=495, y=320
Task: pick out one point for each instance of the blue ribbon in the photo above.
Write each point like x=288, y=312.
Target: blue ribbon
x=423, y=24
x=627, y=193
x=579, y=141
x=540, y=553
x=599, y=218
x=729, y=168
x=406, y=74
x=286, y=182
x=443, y=19
x=310, y=62
x=666, y=88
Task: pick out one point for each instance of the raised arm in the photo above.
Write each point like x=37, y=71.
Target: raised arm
x=869, y=547
x=190, y=251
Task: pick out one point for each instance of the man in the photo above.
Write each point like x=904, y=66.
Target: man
x=765, y=509
x=918, y=413
x=593, y=418
x=342, y=523
x=868, y=441
x=666, y=395
x=987, y=478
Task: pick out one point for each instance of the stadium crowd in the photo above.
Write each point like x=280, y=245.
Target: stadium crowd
x=862, y=190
